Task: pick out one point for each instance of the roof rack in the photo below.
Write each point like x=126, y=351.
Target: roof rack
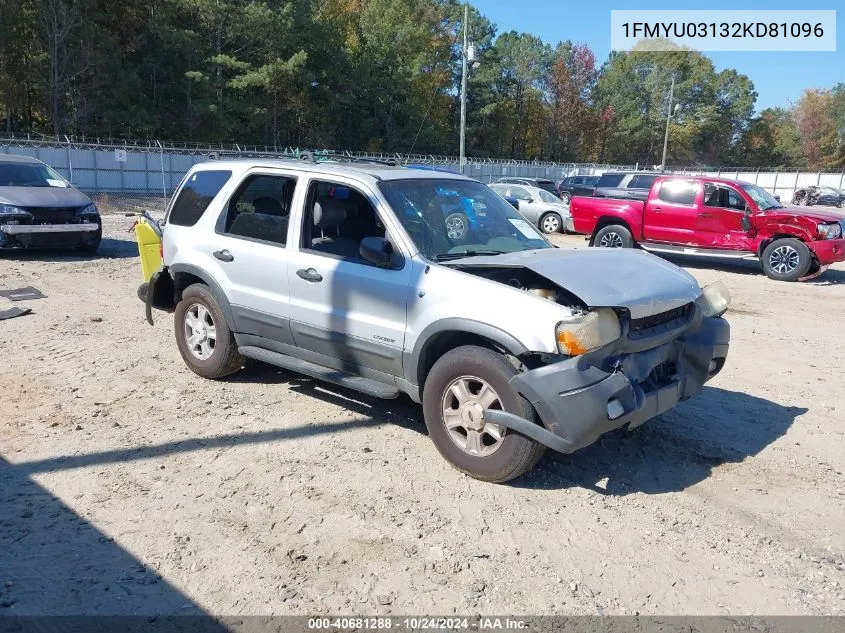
x=306, y=155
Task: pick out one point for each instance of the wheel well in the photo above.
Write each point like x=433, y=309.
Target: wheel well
x=777, y=236
x=182, y=281
x=607, y=220
x=443, y=342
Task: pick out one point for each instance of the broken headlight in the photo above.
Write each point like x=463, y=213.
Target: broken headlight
x=588, y=332
x=13, y=215
x=714, y=299
x=830, y=231
x=89, y=214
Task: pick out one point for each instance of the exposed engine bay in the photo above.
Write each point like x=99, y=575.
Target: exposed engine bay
x=529, y=281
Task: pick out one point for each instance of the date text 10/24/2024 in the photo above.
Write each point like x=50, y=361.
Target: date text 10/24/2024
x=417, y=623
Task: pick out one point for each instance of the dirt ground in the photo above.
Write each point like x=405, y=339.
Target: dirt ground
x=128, y=485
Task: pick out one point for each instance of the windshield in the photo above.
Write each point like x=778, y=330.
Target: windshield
x=455, y=218
x=29, y=175
x=545, y=196
x=762, y=198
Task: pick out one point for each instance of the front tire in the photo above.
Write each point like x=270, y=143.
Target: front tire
x=460, y=386
x=786, y=259
x=566, y=198
x=550, y=222
x=205, y=342
x=614, y=236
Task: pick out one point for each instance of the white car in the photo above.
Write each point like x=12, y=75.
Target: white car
x=538, y=205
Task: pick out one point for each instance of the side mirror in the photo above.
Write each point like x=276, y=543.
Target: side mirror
x=529, y=200
x=377, y=251
x=746, y=222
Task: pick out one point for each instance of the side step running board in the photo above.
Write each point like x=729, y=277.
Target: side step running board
x=336, y=376
x=669, y=249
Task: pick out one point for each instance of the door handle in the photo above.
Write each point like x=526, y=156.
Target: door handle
x=309, y=274
x=657, y=209
x=705, y=215
x=224, y=256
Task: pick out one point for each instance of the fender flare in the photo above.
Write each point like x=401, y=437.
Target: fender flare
x=215, y=288
x=413, y=359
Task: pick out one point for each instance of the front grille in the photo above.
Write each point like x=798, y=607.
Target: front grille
x=640, y=327
x=662, y=375
x=54, y=215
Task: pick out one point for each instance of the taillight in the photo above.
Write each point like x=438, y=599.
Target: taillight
x=161, y=250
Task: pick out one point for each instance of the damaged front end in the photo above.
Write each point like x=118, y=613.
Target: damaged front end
x=615, y=368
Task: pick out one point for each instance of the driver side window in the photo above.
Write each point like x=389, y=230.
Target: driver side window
x=723, y=197
x=337, y=217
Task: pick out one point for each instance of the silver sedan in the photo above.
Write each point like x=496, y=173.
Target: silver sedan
x=539, y=206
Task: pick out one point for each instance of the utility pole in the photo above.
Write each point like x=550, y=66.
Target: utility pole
x=464, y=90
x=668, y=118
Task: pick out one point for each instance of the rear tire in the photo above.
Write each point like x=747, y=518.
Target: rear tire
x=613, y=236
x=786, y=259
x=494, y=459
x=212, y=356
x=550, y=222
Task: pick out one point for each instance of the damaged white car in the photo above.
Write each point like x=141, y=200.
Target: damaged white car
x=346, y=271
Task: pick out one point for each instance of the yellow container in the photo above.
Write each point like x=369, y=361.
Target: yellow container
x=149, y=247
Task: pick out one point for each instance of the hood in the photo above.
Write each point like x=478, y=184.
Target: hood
x=43, y=197
x=613, y=278
x=819, y=215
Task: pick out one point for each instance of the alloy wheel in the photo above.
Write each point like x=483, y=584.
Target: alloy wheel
x=464, y=403
x=551, y=223
x=784, y=260
x=200, y=331
x=455, y=228
x=611, y=240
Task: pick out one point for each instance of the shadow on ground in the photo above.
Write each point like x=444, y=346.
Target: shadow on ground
x=54, y=562
x=677, y=450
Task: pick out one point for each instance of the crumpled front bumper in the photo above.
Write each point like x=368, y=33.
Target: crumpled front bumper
x=48, y=235
x=582, y=398
x=828, y=251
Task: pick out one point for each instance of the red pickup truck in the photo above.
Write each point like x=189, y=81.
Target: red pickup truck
x=721, y=218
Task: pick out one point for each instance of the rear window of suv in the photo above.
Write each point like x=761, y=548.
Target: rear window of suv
x=642, y=181
x=610, y=180
x=195, y=196
x=548, y=185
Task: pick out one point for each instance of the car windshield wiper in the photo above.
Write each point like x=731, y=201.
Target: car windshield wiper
x=442, y=257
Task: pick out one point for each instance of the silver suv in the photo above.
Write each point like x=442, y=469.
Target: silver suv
x=346, y=272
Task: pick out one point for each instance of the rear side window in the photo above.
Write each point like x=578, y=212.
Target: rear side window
x=610, y=180
x=641, y=181
x=678, y=192
x=195, y=196
x=260, y=209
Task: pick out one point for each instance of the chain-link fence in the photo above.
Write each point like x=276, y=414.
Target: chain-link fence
x=123, y=176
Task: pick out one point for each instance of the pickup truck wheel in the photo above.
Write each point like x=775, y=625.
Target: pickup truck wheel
x=460, y=386
x=205, y=342
x=457, y=226
x=786, y=259
x=614, y=236
x=550, y=222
